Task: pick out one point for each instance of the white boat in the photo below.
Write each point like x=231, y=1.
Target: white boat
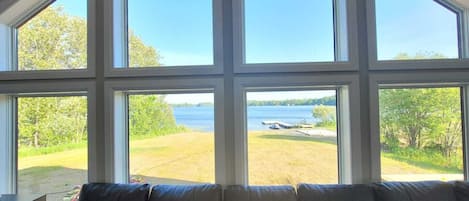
x=274, y=126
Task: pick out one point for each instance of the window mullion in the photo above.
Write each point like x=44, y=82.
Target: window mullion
x=465, y=112
x=120, y=34
x=341, y=31
x=344, y=136
x=121, y=139
x=465, y=33
x=6, y=48
x=7, y=148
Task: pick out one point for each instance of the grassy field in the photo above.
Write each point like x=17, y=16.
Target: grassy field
x=185, y=157
x=54, y=172
x=275, y=157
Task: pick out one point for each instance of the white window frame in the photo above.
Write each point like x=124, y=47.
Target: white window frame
x=414, y=79
x=7, y=146
x=463, y=43
x=116, y=46
x=116, y=124
x=345, y=39
x=8, y=116
x=22, y=11
x=230, y=79
x=348, y=121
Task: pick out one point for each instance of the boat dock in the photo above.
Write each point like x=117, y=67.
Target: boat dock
x=279, y=123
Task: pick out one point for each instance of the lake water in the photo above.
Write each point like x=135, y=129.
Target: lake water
x=201, y=118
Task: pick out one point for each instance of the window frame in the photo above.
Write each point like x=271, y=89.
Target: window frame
x=345, y=44
x=116, y=124
x=348, y=128
x=116, y=58
x=414, y=79
x=8, y=151
x=21, y=12
x=457, y=63
x=361, y=75
x=8, y=94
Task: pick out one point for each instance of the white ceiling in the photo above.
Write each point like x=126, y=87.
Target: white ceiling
x=465, y=3
x=16, y=9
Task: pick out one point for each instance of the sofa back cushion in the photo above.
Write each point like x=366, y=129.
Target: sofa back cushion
x=204, y=192
x=313, y=192
x=114, y=192
x=260, y=193
x=414, y=191
x=461, y=190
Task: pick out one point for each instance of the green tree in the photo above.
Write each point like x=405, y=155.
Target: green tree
x=49, y=121
x=30, y=116
x=423, y=118
x=53, y=39
x=150, y=115
x=446, y=126
x=140, y=54
x=325, y=114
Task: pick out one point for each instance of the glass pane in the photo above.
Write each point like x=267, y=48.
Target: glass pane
x=52, y=147
x=55, y=38
x=292, y=137
x=170, y=33
x=278, y=31
x=172, y=138
x=421, y=134
x=418, y=29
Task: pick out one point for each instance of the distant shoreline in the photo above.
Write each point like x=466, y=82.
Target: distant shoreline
x=328, y=100
x=202, y=118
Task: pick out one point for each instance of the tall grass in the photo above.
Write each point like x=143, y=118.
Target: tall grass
x=26, y=151
x=427, y=158
x=32, y=151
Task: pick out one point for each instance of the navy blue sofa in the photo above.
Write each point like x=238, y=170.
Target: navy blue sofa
x=386, y=191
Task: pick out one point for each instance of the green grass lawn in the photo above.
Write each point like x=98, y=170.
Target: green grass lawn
x=275, y=157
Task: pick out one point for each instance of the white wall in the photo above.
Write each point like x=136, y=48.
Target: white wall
x=4, y=4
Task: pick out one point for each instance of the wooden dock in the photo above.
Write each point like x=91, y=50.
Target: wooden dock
x=281, y=124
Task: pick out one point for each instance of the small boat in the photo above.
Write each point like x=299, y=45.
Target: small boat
x=274, y=126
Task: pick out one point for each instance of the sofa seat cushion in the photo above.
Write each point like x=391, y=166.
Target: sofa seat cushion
x=204, y=192
x=313, y=192
x=414, y=191
x=260, y=193
x=114, y=192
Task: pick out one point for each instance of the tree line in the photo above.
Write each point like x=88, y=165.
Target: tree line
x=328, y=100
x=422, y=124
x=423, y=118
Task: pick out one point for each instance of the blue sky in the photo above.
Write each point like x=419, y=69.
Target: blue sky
x=180, y=30
x=288, y=31
x=279, y=95
x=419, y=26
x=284, y=30
x=189, y=98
